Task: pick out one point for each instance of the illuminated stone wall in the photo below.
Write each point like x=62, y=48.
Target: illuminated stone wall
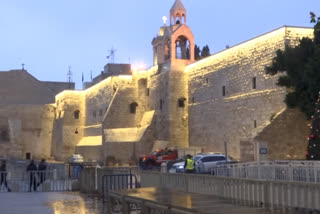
x=68, y=130
x=286, y=135
x=214, y=118
x=30, y=130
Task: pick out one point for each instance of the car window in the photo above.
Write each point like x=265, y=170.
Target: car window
x=197, y=157
x=212, y=158
x=205, y=159
x=220, y=158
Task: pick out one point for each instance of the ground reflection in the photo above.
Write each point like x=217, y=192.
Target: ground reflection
x=80, y=205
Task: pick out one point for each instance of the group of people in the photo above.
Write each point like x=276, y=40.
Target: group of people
x=37, y=175
x=36, y=172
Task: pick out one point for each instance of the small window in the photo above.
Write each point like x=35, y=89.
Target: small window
x=207, y=81
x=255, y=124
x=181, y=102
x=254, y=83
x=100, y=112
x=76, y=114
x=192, y=99
x=94, y=114
x=148, y=91
x=161, y=104
x=133, y=108
x=28, y=156
x=223, y=90
x=5, y=135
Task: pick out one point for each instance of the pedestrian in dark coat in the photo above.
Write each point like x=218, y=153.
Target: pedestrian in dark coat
x=3, y=173
x=42, y=171
x=32, y=170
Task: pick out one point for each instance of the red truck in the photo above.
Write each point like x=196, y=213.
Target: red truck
x=157, y=157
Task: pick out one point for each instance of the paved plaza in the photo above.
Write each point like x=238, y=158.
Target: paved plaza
x=48, y=203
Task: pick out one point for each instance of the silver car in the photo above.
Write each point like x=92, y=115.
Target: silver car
x=204, y=163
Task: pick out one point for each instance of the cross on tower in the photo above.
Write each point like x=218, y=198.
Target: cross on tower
x=164, y=20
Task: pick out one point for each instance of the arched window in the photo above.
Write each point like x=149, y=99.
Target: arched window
x=183, y=19
x=133, y=108
x=76, y=114
x=142, y=87
x=182, y=48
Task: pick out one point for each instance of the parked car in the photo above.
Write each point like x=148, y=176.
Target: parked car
x=76, y=158
x=177, y=167
x=170, y=163
x=206, y=162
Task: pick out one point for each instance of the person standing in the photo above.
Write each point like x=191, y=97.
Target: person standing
x=189, y=164
x=32, y=169
x=42, y=171
x=3, y=172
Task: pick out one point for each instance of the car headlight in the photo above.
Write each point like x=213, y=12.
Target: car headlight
x=180, y=167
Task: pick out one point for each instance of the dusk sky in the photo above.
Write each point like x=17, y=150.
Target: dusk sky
x=49, y=36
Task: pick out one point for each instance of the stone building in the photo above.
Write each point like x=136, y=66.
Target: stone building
x=222, y=101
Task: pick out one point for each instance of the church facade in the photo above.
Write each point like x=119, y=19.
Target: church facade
x=223, y=102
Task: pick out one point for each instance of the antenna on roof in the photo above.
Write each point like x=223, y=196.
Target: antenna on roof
x=111, y=55
x=69, y=77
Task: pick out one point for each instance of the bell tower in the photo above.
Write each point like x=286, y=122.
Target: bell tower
x=178, y=14
x=175, y=42
x=173, y=50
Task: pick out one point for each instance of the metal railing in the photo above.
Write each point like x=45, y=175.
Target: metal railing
x=91, y=178
x=42, y=181
x=259, y=193
x=297, y=171
x=118, y=182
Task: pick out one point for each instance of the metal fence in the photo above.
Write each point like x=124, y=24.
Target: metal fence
x=298, y=171
x=42, y=181
x=91, y=177
x=118, y=182
x=258, y=193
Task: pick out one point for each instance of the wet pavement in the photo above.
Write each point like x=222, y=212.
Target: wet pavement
x=76, y=203
x=49, y=203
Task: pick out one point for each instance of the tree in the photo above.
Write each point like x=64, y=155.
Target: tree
x=300, y=67
x=313, y=150
x=197, y=52
x=205, y=51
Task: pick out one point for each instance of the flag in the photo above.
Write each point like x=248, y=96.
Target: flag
x=82, y=77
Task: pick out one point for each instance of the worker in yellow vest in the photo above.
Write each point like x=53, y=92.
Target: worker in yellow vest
x=189, y=164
